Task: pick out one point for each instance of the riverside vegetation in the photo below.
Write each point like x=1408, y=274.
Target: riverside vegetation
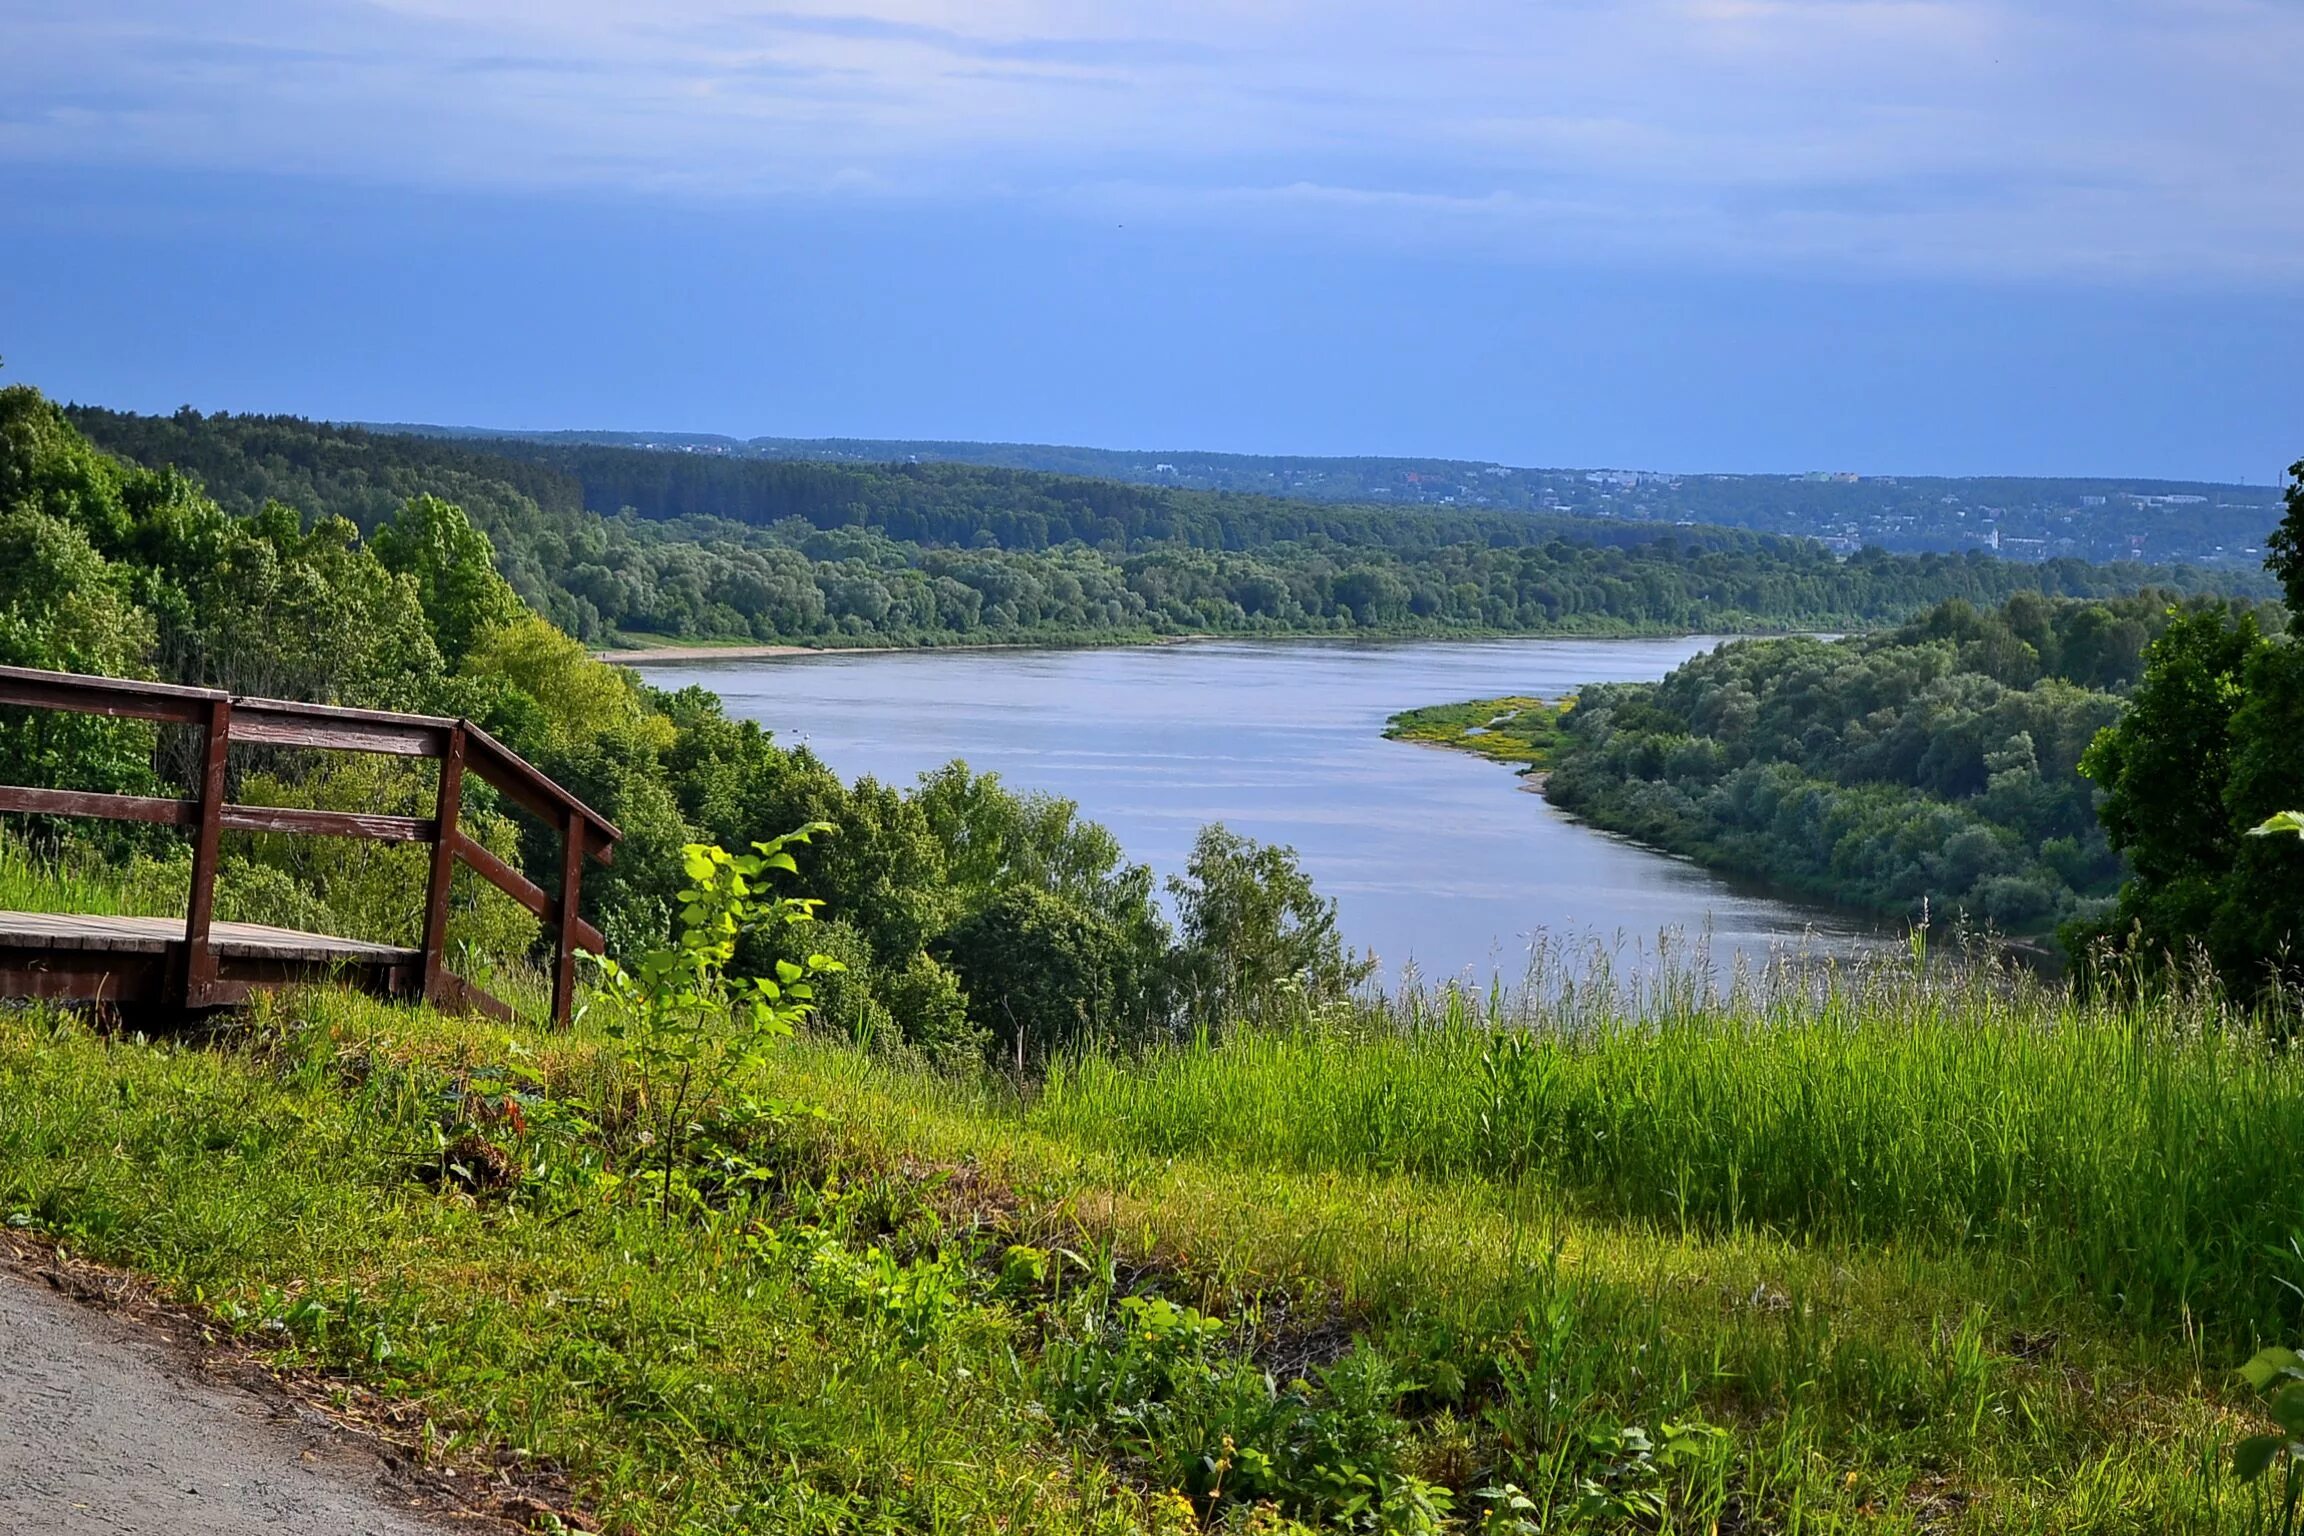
x=1954, y=766
x=922, y=1174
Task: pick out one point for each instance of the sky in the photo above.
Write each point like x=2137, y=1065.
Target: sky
x=1896, y=236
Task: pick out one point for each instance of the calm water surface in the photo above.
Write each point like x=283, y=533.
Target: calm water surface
x=1434, y=857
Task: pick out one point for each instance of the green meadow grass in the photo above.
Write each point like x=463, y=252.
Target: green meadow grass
x=1516, y=728
x=1968, y=1258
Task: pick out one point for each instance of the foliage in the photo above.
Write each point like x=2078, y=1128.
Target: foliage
x=1046, y=974
x=1932, y=768
x=688, y=1029
x=2277, y=1375
x=869, y=1322
x=605, y=540
x=1258, y=940
x=2207, y=752
x=2284, y=547
x=453, y=567
x=1152, y=1378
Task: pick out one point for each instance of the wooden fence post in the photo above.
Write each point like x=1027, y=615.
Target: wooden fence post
x=199, y=960
x=571, y=892
x=443, y=875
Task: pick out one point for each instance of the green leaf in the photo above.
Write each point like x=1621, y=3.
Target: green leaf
x=2288, y=1409
x=2252, y=1455
x=2267, y=1365
x=2282, y=821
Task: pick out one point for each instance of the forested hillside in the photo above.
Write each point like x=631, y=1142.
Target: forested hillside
x=2173, y=522
x=606, y=541
x=968, y=918
x=1937, y=765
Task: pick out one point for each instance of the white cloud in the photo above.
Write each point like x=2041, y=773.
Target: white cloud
x=2130, y=137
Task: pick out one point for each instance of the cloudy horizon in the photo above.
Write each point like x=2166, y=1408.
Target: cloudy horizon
x=2097, y=196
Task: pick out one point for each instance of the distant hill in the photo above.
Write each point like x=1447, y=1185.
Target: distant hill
x=2023, y=518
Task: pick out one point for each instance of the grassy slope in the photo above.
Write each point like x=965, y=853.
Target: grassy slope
x=1936, y=1266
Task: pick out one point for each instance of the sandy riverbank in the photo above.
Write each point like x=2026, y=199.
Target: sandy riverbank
x=641, y=656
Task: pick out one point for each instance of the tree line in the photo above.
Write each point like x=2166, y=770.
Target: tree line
x=1934, y=768
x=2092, y=767
x=612, y=541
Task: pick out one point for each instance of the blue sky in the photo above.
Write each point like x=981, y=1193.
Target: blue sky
x=1889, y=235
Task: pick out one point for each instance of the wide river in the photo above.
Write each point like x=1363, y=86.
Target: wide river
x=1435, y=858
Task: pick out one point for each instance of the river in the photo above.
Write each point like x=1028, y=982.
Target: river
x=1434, y=857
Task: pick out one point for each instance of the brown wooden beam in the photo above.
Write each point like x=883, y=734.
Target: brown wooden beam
x=456, y=995
x=442, y=878
x=199, y=960
x=523, y=890
x=281, y=730
x=564, y=948
x=74, y=802
x=120, y=697
x=527, y=787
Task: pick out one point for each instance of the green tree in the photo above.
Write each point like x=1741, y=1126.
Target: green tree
x=1042, y=974
x=2164, y=769
x=453, y=566
x=2284, y=548
x=1256, y=936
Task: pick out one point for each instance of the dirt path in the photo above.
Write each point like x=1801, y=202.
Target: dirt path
x=112, y=1426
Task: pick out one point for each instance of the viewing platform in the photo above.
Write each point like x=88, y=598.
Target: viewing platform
x=195, y=963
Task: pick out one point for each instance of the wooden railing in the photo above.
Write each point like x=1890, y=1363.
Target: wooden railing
x=460, y=746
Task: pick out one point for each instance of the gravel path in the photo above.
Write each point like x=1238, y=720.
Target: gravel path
x=108, y=1427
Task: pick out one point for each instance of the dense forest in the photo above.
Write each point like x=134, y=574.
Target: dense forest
x=607, y=542
x=969, y=918
x=2029, y=517
x=2211, y=746
x=1936, y=767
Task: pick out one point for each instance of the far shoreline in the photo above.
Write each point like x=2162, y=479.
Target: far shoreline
x=642, y=656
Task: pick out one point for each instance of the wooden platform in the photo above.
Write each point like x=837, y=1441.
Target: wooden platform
x=129, y=960
x=195, y=964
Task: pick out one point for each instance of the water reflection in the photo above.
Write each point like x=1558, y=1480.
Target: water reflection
x=1435, y=859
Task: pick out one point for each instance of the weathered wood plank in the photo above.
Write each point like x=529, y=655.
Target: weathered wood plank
x=119, y=706
x=76, y=802
x=274, y=730
x=118, y=697
x=376, y=828
x=442, y=877
x=528, y=788
x=567, y=943
x=97, y=933
x=198, y=970
x=461, y=996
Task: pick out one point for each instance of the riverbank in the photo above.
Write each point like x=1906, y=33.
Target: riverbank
x=680, y=652
x=649, y=655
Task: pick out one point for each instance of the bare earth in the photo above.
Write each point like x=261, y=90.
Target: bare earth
x=112, y=1426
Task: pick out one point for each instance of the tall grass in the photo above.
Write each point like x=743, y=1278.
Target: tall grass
x=84, y=883
x=2144, y=1155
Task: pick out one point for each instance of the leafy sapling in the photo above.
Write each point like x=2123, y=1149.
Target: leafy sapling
x=688, y=1028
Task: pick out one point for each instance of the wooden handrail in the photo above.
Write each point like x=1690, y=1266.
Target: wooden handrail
x=225, y=718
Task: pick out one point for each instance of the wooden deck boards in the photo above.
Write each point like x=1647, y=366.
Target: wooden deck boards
x=142, y=962
x=68, y=932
